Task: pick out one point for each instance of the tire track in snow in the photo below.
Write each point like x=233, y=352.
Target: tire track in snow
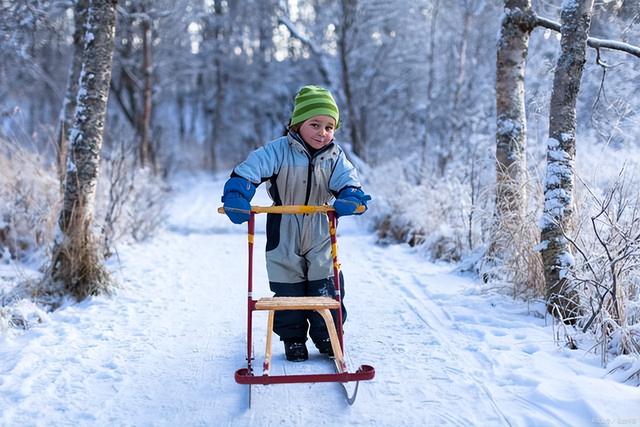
x=412, y=294
x=450, y=348
x=410, y=377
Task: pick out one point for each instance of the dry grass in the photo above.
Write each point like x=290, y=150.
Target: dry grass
x=29, y=197
x=514, y=259
x=77, y=268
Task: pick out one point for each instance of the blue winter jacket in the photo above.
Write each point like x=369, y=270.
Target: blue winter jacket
x=298, y=246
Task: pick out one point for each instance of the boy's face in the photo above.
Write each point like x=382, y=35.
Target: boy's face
x=318, y=131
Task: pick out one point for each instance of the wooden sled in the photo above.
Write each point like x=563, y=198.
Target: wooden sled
x=322, y=305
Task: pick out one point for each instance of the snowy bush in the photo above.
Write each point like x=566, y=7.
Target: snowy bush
x=443, y=216
x=129, y=206
x=23, y=314
x=512, y=261
x=29, y=195
x=606, y=275
x=519, y=270
x=131, y=201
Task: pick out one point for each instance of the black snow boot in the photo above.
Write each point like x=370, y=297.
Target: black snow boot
x=324, y=346
x=296, y=351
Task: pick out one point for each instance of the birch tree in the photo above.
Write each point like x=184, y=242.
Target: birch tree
x=512, y=232
x=76, y=262
x=557, y=217
x=69, y=102
x=509, y=246
x=511, y=134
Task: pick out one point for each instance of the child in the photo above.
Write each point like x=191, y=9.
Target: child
x=304, y=167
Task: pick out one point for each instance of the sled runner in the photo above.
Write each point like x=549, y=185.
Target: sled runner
x=323, y=305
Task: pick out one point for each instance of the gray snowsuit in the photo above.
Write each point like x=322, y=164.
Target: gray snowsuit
x=298, y=246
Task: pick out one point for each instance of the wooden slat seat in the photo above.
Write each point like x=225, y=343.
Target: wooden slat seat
x=322, y=305
x=297, y=303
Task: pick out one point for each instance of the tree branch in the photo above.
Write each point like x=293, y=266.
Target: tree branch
x=297, y=34
x=592, y=41
x=324, y=69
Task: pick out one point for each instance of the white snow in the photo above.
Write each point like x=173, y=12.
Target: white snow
x=506, y=125
x=164, y=349
x=552, y=144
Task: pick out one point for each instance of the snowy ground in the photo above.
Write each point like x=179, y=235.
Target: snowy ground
x=163, y=350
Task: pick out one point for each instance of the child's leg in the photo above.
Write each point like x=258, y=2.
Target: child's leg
x=290, y=325
x=325, y=287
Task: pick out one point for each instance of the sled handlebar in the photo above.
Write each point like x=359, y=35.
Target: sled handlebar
x=288, y=209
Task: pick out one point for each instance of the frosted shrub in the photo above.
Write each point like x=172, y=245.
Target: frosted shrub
x=438, y=214
x=512, y=259
x=607, y=271
x=29, y=194
x=23, y=314
x=131, y=201
x=519, y=265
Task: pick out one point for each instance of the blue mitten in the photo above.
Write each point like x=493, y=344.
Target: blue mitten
x=237, y=196
x=348, y=201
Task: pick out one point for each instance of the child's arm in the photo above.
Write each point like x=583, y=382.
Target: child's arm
x=263, y=163
x=237, y=196
x=259, y=166
x=345, y=185
x=349, y=199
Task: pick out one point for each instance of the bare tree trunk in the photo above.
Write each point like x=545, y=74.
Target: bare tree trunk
x=348, y=17
x=217, y=114
x=431, y=80
x=147, y=153
x=70, y=97
x=456, y=123
x=75, y=260
x=558, y=212
x=218, y=35
x=511, y=119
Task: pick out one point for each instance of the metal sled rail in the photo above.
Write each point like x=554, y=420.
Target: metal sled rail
x=365, y=372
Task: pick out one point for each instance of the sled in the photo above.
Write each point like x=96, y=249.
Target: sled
x=322, y=305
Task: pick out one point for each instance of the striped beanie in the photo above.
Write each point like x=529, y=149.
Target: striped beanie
x=314, y=101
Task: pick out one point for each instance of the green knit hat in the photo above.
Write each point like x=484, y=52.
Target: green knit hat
x=314, y=101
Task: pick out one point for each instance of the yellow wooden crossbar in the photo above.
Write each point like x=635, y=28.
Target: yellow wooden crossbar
x=289, y=209
x=297, y=303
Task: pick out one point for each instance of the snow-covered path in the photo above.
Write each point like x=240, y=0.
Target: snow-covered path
x=163, y=350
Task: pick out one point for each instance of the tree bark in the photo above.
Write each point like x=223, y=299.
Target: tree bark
x=431, y=81
x=556, y=222
x=76, y=261
x=70, y=98
x=147, y=152
x=218, y=63
x=348, y=18
x=456, y=123
x=511, y=119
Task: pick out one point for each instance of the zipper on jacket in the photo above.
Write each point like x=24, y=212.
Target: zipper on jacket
x=311, y=158
x=309, y=176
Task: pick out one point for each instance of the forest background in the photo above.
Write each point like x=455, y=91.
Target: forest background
x=197, y=85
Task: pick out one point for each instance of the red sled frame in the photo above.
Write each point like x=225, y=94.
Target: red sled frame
x=320, y=304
